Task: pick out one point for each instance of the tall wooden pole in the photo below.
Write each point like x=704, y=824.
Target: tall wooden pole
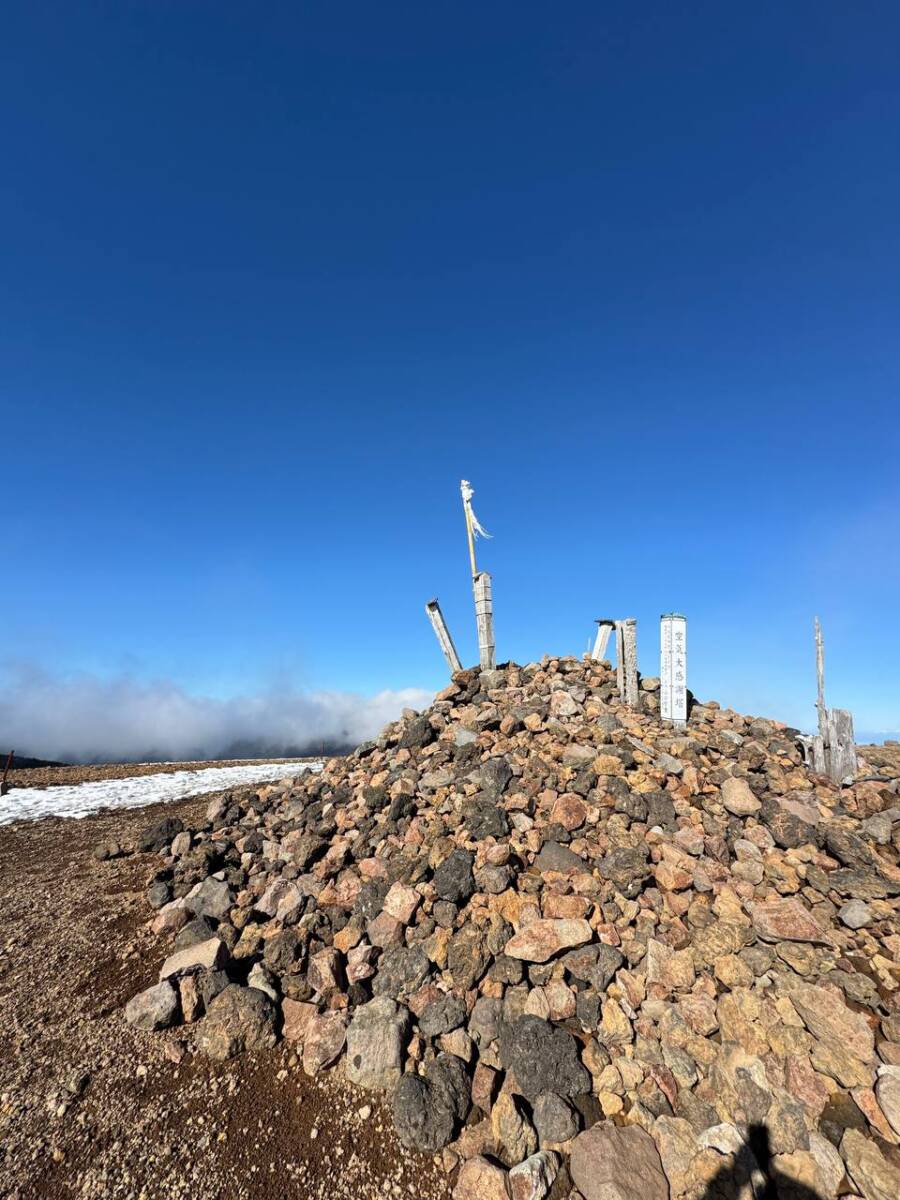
x=470, y=533
x=820, y=682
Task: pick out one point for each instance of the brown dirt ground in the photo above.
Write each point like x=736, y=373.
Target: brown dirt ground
x=44, y=777
x=90, y=1107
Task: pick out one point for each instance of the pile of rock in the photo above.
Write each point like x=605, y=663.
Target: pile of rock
x=585, y=953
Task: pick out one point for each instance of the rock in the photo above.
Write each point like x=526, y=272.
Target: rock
x=401, y=903
x=554, y=857
x=483, y=819
x=611, y=1162
x=237, y=1019
x=677, y=1146
x=533, y=1178
x=154, y=1008
x=203, y=956
x=887, y=1093
x=192, y=933
x=685, y=931
x=441, y=1015
x=627, y=869
x=671, y=970
x=212, y=898
x=512, y=1129
x=263, y=980
x=554, y=1119
x=296, y=1016
x=873, y=1175
x=454, y=880
x=160, y=834
x=543, y=1057
x=738, y=798
x=855, y=914
x=792, y=822
x=323, y=1041
x=428, y=1109
x=828, y=1018
x=375, y=1044
x=480, y=1179
x=542, y=939
x=595, y=965
x=401, y=972
x=784, y=920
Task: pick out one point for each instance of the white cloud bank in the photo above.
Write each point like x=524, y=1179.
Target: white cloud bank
x=83, y=718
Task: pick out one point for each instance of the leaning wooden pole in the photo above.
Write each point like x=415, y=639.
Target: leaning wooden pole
x=442, y=633
x=604, y=629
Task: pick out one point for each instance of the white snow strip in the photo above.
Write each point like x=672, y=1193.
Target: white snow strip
x=80, y=799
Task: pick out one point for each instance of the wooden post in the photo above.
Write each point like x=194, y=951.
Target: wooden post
x=832, y=751
x=820, y=683
x=484, y=619
x=673, y=668
x=442, y=633
x=604, y=629
x=4, y=786
x=626, y=661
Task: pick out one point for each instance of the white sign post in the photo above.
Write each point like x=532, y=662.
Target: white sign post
x=673, y=667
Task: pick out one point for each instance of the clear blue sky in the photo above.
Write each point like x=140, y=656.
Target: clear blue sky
x=274, y=277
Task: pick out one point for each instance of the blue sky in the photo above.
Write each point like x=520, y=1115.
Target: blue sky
x=275, y=277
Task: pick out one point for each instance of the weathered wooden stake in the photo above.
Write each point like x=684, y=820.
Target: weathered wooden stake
x=604, y=629
x=673, y=668
x=442, y=633
x=626, y=661
x=832, y=751
x=484, y=619
x=4, y=786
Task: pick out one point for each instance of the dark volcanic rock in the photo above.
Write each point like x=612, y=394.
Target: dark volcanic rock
x=543, y=1057
x=454, y=880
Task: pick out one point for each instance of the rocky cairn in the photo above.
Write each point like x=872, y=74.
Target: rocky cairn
x=583, y=953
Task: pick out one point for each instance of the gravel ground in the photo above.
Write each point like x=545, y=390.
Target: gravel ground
x=90, y=1107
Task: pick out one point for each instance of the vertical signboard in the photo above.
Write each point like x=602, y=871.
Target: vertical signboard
x=673, y=667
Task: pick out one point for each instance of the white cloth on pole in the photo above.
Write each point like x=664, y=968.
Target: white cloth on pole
x=467, y=493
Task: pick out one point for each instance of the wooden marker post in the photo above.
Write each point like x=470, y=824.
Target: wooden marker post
x=626, y=661
x=832, y=751
x=481, y=584
x=604, y=629
x=442, y=633
x=4, y=786
x=484, y=620
x=673, y=668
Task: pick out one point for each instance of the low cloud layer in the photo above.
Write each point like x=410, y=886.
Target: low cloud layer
x=82, y=718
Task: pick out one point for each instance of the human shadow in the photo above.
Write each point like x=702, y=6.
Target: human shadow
x=752, y=1175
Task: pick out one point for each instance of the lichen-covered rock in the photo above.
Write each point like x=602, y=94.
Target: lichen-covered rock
x=238, y=1019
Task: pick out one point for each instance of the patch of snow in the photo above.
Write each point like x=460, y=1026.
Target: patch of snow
x=80, y=799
